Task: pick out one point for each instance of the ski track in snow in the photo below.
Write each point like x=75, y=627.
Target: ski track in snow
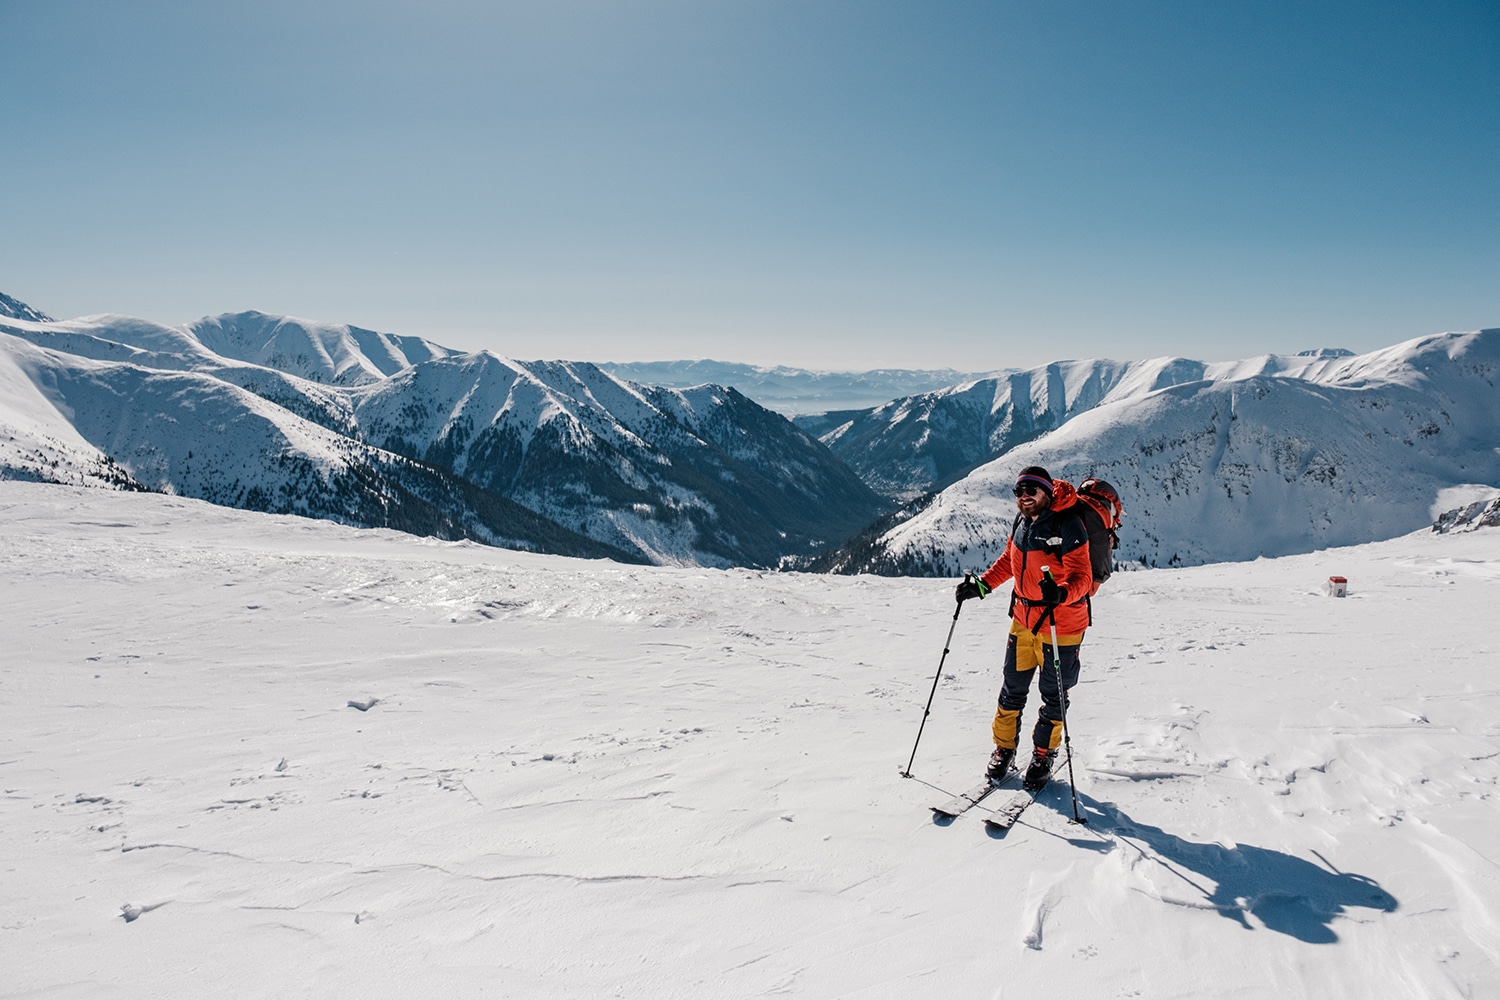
x=259, y=756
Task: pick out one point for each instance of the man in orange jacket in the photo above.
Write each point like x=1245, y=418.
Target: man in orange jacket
x=1047, y=555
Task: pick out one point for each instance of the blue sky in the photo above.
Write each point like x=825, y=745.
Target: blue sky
x=836, y=184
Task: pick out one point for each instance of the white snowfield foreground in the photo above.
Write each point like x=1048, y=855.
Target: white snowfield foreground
x=254, y=756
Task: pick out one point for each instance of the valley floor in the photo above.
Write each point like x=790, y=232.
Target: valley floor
x=583, y=779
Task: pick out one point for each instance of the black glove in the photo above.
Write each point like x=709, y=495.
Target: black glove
x=970, y=587
x=1052, y=593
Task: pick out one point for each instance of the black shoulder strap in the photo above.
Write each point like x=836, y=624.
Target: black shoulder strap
x=1014, y=525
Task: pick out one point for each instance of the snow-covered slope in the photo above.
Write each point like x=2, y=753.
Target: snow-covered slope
x=37, y=442
x=579, y=779
x=68, y=419
x=685, y=476
x=228, y=408
x=1337, y=451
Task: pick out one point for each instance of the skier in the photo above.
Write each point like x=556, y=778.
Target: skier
x=1049, y=536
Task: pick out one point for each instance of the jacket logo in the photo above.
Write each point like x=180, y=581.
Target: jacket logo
x=1054, y=541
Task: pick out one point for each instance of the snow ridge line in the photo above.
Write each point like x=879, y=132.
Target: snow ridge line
x=566, y=877
x=127, y=848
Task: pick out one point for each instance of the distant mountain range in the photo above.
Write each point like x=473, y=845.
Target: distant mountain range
x=1216, y=461
x=794, y=391
x=275, y=414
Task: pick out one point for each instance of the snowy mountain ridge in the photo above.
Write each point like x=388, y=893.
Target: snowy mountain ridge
x=696, y=475
x=16, y=309
x=919, y=443
x=332, y=353
x=1218, y=460
x=1270, y=456
x=285, y=415
x=67, y=419
x=320, y=352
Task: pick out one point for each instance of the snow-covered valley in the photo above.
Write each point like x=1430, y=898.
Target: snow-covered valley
x=246, y=755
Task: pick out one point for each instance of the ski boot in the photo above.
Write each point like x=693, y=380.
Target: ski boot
x=1000, y=763
x=1040, y=770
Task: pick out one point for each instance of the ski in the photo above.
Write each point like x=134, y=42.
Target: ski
x=965, y=801
x=1011, y=809
x=960, y=804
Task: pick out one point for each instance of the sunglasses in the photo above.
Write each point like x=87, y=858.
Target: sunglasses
x=1027, y=490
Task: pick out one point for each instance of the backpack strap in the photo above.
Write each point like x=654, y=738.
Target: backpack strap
x=1051, y=612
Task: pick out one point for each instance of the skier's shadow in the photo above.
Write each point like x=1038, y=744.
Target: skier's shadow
x=1285, y=893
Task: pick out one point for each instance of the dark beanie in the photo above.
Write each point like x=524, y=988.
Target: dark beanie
x=1038, y=475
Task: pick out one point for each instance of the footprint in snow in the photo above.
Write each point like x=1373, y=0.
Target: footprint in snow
x=365, y=705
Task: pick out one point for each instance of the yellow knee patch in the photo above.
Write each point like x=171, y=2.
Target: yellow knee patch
x=1006, y=728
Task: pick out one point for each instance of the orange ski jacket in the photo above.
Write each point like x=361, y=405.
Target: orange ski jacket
x=1056, y=540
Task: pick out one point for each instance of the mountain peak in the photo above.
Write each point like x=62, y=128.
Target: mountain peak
x=335, y=353
x=16, y=309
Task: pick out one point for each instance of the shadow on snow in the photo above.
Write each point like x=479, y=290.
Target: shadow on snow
x=1285, y=893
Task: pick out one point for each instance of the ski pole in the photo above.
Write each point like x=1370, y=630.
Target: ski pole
x=1062, y=704
x=928, y=710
